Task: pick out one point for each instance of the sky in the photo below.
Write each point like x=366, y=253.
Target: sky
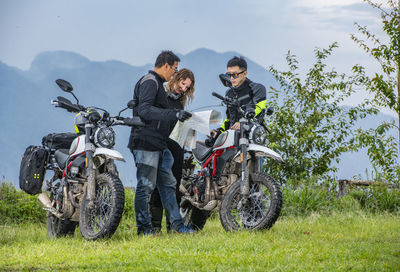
x=136, y=31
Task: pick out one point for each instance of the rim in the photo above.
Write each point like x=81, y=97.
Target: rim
x=101, y=213
x=185, y=214
x=53, y=224
x=251, y=214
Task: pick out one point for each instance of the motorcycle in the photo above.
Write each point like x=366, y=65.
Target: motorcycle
x=85, y=188
x=231, y=176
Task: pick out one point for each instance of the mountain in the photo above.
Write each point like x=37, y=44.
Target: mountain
x=26, y=114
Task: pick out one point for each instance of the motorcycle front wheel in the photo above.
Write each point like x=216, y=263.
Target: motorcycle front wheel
x=103, y=218
x=259, y=211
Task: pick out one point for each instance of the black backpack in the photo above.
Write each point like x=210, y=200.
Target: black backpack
x=33, y=169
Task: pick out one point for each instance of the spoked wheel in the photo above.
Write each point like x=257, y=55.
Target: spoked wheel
x=194, y=217
x=103, y=218
x=57, y=227
x=259, y=211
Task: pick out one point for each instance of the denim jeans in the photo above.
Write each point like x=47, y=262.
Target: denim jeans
x=154, y=169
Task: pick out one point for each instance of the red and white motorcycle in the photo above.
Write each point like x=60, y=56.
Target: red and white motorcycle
x=231, y=177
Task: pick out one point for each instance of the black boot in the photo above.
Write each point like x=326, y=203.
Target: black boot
x=156, y=210
x=156, y=218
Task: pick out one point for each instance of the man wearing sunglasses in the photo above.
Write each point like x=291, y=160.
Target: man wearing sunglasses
x=241, y=87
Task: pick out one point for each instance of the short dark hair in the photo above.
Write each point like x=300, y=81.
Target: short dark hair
x=166, y=56
x=237, y=61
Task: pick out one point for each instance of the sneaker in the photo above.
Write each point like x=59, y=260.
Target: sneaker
x=185, y=230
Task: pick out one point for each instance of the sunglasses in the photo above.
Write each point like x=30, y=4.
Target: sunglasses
x=176, y=69
x=235, y=75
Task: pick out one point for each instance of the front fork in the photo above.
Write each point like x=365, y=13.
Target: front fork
x=243, y=143
x=91, y=171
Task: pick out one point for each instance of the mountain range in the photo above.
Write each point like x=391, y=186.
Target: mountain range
x=26, y=114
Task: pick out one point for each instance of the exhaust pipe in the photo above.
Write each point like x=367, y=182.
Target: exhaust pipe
x=46, y=202
x=207, y=206
x=183, y=190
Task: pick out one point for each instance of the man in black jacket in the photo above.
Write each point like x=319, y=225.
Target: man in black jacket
x=241, y=87
x=148, y=145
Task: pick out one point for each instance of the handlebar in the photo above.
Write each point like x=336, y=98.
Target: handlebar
x=248, y=112
x=227, y=100
x=133, y=122
x=136, y=121
x=69, y=107
x=64, y=103
x=218, y=96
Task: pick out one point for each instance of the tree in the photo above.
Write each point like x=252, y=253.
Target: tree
x=384, y=86
x=309, y=127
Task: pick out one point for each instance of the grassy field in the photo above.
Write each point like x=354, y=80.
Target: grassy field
x=339, y=242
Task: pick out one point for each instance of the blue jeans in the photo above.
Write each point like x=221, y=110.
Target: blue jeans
x=154, y=169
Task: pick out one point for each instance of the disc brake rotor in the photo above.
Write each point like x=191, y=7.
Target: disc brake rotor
x=253, y=211
x=102, y=208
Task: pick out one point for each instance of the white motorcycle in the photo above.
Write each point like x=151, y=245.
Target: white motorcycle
x=85, y=188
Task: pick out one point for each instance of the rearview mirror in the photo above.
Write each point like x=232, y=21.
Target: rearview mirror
x=226, y=81
x=131, y=104
x=64, y=85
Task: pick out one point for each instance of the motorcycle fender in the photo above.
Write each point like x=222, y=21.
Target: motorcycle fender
x=261, y=151
x=109, y=153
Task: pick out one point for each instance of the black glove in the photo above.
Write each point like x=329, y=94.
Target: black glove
x=209, y=142
x=183, y=115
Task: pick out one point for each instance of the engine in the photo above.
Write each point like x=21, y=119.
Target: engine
x=199, y=188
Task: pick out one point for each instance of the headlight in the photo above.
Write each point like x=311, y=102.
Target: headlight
x=257, y=135
x=104, y=137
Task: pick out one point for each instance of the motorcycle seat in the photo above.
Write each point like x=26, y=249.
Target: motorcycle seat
x=61, y=156
x=201, y=151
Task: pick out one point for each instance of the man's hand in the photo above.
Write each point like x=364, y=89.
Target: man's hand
x=236, y=126
x=183, y=115
x=214, y=133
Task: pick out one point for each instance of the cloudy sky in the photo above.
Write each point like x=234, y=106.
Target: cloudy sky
x=135, y=31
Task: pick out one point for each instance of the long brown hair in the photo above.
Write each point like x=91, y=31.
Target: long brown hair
x=182, y=74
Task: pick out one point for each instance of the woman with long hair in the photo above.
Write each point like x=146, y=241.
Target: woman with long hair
x=180, y=90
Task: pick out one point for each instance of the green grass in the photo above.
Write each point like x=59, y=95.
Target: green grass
x=338, y=242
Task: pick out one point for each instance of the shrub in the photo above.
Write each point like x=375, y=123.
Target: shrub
x=303, y=201
x=378, y=199
x=17, y=206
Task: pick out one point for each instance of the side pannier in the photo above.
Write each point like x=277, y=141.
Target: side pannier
x=59, y=140
x=33, y=169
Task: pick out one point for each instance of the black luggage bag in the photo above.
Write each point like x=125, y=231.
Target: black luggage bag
x=59, y=140
x=33, y=169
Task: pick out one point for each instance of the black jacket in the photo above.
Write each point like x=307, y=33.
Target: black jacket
x=257, y=96
x=174, y=103
x=153, y=108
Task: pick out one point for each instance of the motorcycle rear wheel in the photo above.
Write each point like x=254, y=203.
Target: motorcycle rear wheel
x=57, y=227
x=194, y=217
x=261, y=210
x=103, y=219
